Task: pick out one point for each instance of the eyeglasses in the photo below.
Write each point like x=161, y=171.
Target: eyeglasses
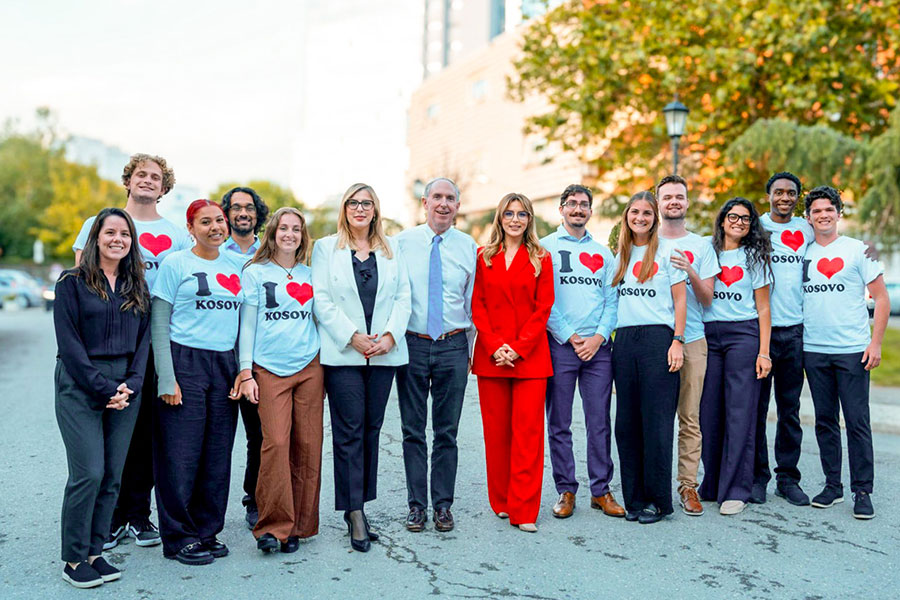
x=522, y=215
x=355, y=204
x=781, y=193
x=734, y=218
x=584, y=205
x=250, y=209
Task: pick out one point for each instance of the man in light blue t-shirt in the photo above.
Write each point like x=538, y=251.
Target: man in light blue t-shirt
x=695, y=256
x=790, y=237
x=246, y=214
x=838, y=348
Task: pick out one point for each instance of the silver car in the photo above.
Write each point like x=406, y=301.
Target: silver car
x=893, y=289
x=20, y=288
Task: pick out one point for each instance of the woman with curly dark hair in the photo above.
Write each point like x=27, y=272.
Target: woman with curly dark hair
x=738, y=328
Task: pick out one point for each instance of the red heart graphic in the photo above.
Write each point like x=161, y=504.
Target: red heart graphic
x=830, y=267
x=155, y=244
x=232, y=283
x=637, y=268
x=301, y=292
x=591, y=261
x=731, y=274
x=690, y=256
x=792, y=239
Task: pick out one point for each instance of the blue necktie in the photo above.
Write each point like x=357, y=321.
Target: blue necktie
x=435, y=322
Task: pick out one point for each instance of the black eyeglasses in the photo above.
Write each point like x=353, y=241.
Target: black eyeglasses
x=366, y=204
x=522, y=215
x=250, y=209
x=585, y=205
x=734, y=218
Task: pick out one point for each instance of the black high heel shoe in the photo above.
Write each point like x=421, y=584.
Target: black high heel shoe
x=359, y=545
x=372, y=535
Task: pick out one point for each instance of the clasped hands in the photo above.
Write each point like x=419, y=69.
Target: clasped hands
x=372, y=345
x=504, y=356
x=586, y=347
x=119, y=400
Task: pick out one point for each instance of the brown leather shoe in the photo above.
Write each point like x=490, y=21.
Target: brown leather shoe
x=565, y=506
x=443, y=519
x=607, y=503
x=415, y=520
x=690, y=501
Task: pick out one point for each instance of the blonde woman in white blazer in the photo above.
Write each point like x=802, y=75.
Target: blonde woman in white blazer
x=362, y=308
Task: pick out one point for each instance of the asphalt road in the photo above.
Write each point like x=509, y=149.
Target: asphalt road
x=770, y=551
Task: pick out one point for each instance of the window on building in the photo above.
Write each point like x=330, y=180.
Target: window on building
x=433, y=110
x=498, y=17
x=479, y=89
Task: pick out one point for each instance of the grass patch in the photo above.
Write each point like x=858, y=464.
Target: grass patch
x=888, y=372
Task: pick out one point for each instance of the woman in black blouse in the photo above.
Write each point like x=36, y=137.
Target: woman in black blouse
x=102, y=321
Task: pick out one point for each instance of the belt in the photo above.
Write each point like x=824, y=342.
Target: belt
x=443, y=336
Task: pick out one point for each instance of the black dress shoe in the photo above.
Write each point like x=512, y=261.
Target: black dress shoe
x=193, y=554
x=632, y=515
x=267, y=543
x=649, y=515
x=216, y=548
x=758, y=493
x=372, y=535
x=291, y=545
x=363, y=545
x=443, y=519
x=415, y=520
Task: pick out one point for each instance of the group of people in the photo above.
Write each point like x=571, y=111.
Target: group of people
x=165, y=337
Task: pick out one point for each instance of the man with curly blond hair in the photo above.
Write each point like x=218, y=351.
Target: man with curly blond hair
x=146, y=178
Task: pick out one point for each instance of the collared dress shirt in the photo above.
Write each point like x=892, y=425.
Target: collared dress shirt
x=232, y=246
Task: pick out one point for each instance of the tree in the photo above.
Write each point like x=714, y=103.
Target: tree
x=274, y=195
x=607, y=67
x=879, y=207
x=25, y=165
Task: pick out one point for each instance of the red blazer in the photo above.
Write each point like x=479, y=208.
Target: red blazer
x=512, y=307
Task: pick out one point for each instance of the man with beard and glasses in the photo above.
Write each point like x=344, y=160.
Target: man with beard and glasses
x=246, y=214
x=695, y=256
x=581, y=352
x=146, y=179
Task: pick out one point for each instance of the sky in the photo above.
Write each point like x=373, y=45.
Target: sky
x=310, y=94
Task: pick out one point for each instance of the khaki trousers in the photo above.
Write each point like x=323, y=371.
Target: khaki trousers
x=290, y=412
x=690, y=442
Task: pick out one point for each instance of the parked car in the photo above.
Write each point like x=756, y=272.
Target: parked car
x=21, y=288
x=893, y=289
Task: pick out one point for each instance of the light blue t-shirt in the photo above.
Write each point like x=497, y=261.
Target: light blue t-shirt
x=584, y=300
x=156, y=239
x=286, y=337
x=700, y=252
x=835, y=317
x=733, y=297
x=789, y=243
x=648, y=303
x=206, y=299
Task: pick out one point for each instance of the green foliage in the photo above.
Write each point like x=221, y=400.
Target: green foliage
x=880, y=205
x=275, y=196
x=26, y=189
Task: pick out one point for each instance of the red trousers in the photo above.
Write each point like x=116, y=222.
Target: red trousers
x=512, y=412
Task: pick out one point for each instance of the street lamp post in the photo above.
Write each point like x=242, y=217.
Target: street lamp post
x=676, y=116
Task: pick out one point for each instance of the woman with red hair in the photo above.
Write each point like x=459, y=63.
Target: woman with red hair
x=194, y=326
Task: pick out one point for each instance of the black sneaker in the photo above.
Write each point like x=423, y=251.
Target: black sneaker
x=862, y=506
x=193, y=554
x=144, y=532
x=792, y=493
x=267, y=543
x=828, y=497
x=82, y=576
x=116, y=534
x=107, y=571
x=252, y=511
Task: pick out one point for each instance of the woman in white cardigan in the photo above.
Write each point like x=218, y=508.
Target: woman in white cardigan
x=362, y=308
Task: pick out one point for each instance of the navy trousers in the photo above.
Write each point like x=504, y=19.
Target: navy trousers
x=841, y=381
x=728, y=410
x=786, y=350
x=440, y=367
x=192, y=448
x=646, y=400
x=594, y=379
x=253, y=430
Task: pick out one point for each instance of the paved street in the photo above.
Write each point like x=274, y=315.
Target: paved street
x=770, y=551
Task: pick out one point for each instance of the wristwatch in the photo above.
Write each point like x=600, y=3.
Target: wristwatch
x=678, y=338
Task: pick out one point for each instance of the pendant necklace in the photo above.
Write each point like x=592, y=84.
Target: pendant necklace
x=289, y=276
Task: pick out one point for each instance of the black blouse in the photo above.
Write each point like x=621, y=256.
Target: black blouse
x=366, y=273
x=89, y=327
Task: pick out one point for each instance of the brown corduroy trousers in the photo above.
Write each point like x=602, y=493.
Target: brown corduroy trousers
x=290, y=411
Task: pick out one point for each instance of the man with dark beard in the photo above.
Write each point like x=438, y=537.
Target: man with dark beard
x=246, y=214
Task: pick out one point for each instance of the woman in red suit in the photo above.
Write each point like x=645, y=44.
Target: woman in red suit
x=510, y=307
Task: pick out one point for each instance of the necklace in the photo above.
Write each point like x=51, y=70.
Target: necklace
x=289, y=276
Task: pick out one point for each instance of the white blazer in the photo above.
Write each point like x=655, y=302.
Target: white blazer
x=339, y=311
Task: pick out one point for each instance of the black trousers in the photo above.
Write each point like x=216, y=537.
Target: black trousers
x=96, y=440
x=728, y=409
x=441, y=367
x=357, y=397
x=192, y=448
x=646, y=400
x=137, y=477
x=253, y=429
x=841, y=381
x=786, y=350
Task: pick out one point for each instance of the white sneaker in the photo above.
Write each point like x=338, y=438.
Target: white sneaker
x=731, y=507
x=528, y=527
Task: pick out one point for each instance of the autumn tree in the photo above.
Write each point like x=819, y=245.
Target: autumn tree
x=880, y=205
